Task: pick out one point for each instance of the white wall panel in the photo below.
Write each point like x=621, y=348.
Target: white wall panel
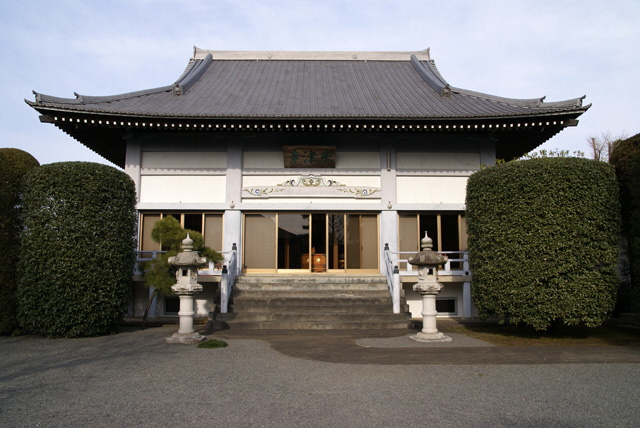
x=182, y=188
x=358, y=160
x=256, y=160
x=184, y=160
x=437, y=161
x=431, y=190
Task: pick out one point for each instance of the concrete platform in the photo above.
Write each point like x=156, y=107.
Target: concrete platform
x=396, y=348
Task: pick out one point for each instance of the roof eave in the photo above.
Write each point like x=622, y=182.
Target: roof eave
x=107, y=134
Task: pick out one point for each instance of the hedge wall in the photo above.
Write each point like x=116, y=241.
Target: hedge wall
x=543, y=241
x=77, y=256
x=625, y=157
x=14, y=164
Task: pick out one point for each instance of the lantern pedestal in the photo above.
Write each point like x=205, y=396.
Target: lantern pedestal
x=187, y=263
x=186, y=334
x=429, y=331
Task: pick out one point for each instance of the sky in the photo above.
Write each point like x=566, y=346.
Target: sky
x=561, y=49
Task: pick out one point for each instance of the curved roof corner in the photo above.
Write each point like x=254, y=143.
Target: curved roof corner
x=192, y=75
x=430, y=74
x=574, y=102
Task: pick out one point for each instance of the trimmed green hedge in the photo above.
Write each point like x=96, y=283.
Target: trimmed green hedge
x=78, y=251
x=14, y=165
x=543, y=241
x=625, y=157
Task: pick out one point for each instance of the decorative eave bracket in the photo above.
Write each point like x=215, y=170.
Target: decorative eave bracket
x=311, y=185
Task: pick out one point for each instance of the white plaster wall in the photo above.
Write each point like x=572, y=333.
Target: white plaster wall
x=182, y=188
x=203, y=301
x=184, y=160
x=265, y=180
x=358, y=160
x=437, y=161
x=255, y=159
x=450, y=290
x=357, y=180
x=431, y=190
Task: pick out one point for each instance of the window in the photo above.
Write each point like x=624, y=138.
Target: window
x=448, y=230
x=171, y=305
x=446, y=306
x=209, y=224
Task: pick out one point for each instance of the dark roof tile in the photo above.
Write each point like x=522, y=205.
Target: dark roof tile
x=387, y=89
x=309, y=88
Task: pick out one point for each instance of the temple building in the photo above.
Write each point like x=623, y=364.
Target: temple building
x=310, y=162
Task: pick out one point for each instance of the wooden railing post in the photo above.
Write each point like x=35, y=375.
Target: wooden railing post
x=396, y=290
x=227, y=279
x=224, y=293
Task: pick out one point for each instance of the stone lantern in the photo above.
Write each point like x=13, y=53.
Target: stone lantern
x=187, y=263
x=428, y=286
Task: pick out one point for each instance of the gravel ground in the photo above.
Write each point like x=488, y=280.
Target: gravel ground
x=134, y=379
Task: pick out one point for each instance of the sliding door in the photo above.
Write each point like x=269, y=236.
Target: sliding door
x=260, y=242
x=311, y=242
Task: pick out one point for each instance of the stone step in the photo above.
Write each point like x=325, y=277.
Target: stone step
x=378, y=308
x=321, y=282
x=315, y=294
x=309, y=302
x=316, y=317
x=319, y=325
x=311, y=279
x=298, y=287
x=317, y=302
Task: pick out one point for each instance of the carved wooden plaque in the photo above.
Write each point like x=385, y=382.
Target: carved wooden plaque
x=309, y=156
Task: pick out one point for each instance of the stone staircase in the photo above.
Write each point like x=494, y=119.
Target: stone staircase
x=313, y=302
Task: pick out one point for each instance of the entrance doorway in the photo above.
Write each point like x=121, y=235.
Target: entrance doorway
x=310, y=242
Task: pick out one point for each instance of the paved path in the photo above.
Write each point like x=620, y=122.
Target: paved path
x=390, y=347
x=274, y=379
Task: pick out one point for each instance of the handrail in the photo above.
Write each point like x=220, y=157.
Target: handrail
x=228, y=278
x=209, y=270
x=140, y=259
x=462, y=257
x=393, y=279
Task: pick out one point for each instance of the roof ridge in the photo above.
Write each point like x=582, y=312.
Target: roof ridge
x=90, y=99
x=430, y=74
x=195, y=69
x=423, y=55
x=572, y=102
x=522, y=102
x=192, y=75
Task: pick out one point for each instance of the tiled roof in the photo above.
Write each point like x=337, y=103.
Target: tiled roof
x=319, y=85
x=321, y=91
